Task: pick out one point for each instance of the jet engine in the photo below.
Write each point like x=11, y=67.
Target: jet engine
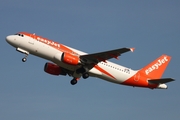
x=54, y=69
x=68, y=58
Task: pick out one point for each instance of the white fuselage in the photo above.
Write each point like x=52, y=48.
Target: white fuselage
x=118, y=73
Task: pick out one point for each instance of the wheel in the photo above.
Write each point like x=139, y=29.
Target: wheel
x=85, y=75
x=24, y=59
x=73, y=81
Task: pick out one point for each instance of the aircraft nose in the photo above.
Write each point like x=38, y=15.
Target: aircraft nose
x=9, y=39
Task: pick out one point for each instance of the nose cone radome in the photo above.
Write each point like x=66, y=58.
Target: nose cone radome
x=10, y=39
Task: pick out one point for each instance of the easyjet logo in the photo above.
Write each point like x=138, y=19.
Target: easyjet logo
x=48, y=42
x=156, y=65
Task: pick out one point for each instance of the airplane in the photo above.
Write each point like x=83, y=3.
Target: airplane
x=69, y=61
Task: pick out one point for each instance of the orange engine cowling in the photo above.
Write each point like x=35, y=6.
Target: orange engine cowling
x=70, y=59
x=54, y=69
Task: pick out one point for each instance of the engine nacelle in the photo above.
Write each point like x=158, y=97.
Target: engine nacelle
x=54, y=69
x=67, y=58
x=70, y=59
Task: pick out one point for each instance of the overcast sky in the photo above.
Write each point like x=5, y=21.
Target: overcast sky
x=28, y=93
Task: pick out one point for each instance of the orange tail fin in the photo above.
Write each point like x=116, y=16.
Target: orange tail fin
x=156, y=68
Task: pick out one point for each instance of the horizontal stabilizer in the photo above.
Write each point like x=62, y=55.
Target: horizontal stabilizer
x=160, y=81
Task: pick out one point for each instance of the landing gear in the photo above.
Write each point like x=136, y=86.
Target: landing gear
x=83, y=71
x=85, y=75
x=73, y=81
x=24, y=52
x=25, y=58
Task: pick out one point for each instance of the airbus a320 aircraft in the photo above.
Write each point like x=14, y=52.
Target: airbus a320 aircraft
x=69, y=61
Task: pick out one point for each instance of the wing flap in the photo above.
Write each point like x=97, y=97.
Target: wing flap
x=160, y=81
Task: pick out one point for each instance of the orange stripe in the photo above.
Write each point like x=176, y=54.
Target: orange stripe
x=61, y=48
x=139, y=80
x=49, y=42
x=103, y=71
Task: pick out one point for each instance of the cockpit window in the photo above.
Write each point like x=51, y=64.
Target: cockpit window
x=19, y=34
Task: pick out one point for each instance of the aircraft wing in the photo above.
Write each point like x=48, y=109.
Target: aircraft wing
x=103, y=56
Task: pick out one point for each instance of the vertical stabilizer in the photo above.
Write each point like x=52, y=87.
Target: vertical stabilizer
x=156, y=68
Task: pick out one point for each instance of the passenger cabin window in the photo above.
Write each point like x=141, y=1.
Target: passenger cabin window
x=19, y=34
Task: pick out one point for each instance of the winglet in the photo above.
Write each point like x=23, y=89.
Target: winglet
x=132, y=49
